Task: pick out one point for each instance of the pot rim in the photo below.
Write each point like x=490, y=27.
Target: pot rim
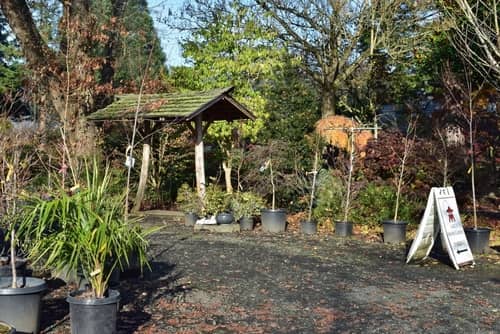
x=224, y=214
x=113, y=297
x=477, y=230
x=34, y=285
x=394, y=222
x=279, y=210
x=338, y=221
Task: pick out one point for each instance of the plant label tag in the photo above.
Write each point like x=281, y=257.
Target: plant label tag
x=129, y=162
x=441, y=215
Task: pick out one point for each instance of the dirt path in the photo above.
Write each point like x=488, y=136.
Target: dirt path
x=256, y=283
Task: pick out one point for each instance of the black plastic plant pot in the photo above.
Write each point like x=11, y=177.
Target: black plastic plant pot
x=478, y=239
x=93, y=316
x=394, y=231
x=190, y=218
x=20, y=307
x=246, y=223
x=273, y=221
x=224, y=218
x=6, y=270
x=343, y=228
x=309, y=227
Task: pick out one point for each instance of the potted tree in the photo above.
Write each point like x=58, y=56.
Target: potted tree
x=344, y=227
x=310, y=226
x=86, y=231
x=189, y=202
x=394, y=229
x=461, y=93
x=245, y=206
x=274, y=219
x=217, y=203
x=19, y=295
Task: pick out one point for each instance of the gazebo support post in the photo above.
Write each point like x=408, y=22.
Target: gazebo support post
x=199, y=159
x=146, y=151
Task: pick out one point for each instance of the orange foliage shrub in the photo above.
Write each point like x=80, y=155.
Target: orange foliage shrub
x=335, y=130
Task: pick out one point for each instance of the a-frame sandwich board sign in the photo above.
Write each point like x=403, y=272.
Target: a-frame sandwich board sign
x=441, y=215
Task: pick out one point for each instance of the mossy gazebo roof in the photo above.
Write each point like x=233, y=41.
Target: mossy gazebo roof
x=215, y=105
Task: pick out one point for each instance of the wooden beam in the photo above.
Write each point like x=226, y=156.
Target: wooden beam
x=199, y=158
x=205, y=128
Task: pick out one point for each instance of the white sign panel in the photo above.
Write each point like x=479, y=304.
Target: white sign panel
x=426, y=233
x=441, y=214
x=452, y=232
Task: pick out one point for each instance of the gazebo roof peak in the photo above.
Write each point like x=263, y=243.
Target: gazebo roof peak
x=215, y=104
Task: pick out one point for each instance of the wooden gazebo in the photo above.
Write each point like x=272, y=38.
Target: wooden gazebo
x=198, y=109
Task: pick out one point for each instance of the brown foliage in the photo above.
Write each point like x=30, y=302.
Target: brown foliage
x=424, y=166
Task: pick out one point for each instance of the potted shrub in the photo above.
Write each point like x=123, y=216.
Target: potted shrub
x=217, y=203
x=245, y=206
x=189, y=202
x=86, y=231
x=329, y=197
x=19, y=296
x=394, y=229
x=274, y=219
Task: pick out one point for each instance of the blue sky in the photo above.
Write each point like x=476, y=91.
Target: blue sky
x=169, y=38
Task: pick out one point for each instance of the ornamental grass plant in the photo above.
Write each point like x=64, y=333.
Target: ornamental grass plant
x=85, y=231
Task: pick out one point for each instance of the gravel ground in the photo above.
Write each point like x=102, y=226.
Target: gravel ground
x=256, y=283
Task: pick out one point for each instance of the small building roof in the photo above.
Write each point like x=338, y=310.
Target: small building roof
x=216, y=104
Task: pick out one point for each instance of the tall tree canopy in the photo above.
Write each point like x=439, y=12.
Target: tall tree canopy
x=337, y=38
x=137, y=39
x=228, y=46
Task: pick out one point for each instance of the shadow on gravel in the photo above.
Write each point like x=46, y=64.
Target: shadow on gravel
x=139, y=294
x=56, y=307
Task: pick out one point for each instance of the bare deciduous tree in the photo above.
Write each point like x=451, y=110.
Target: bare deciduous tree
x=333, y=39
x=476, y=35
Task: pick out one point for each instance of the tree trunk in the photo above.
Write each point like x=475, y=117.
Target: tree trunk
x=328, y=102
x=21, y=22
x=226, y=165
x=199, y=157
